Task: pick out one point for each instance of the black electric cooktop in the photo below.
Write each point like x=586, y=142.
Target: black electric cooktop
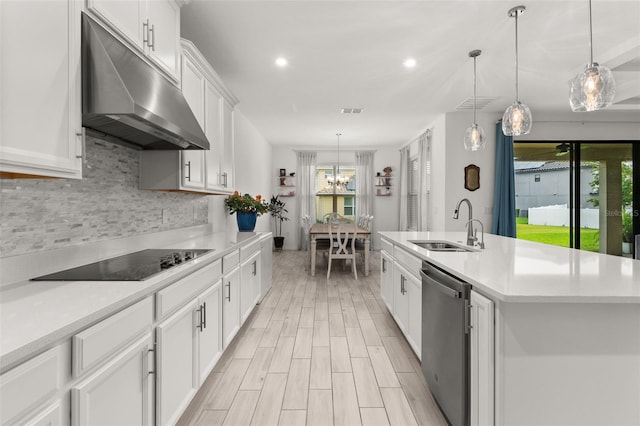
x=136, y=266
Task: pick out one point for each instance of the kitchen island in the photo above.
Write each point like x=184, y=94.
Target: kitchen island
x=565, y=343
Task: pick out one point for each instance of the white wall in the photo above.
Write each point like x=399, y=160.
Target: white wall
x=285, y=158
x=252, y=173
x=385, y=208
x=449, y=158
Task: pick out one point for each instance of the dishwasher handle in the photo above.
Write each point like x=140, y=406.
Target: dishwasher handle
x=441, y=287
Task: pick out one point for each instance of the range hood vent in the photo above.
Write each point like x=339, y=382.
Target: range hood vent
x=125, y=100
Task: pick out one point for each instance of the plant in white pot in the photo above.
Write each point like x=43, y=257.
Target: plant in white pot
x=277, y=211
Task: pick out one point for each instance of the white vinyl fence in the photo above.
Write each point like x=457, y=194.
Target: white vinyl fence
x=558, y=215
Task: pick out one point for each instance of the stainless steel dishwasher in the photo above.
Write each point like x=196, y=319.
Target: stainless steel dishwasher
x=445, y=341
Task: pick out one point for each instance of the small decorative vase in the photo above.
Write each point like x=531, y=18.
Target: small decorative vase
x=246, y=221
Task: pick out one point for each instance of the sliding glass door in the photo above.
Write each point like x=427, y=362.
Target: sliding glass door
x=577, y=194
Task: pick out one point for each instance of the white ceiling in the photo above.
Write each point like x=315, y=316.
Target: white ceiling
x=349, y=53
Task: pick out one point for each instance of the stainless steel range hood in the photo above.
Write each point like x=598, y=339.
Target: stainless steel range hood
x=126, y=101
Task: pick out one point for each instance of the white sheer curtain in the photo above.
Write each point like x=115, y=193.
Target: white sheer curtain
x=403, y=189
x=364, y=183
x=424, y=186
x=306, y=188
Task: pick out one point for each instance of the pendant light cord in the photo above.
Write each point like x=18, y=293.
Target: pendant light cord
x=516, y=17
x=474, y=90
x=590, y=36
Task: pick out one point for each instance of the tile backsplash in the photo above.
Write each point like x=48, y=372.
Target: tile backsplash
x=45, y=214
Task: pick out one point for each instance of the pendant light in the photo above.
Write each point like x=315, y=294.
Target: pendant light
x=517, y=118
x=594, y=88
x=338, y=179
x=474, y=139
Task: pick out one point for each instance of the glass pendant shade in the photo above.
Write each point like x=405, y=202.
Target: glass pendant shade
x=592, y=89
x=517, y=120
x=474, y=139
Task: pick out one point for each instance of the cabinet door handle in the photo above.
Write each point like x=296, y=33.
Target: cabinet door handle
x=145, y=32
x=402, y=290
x=188, y=167
x=152, y=38
x=154, y=354
x=200, y=325
x=204, y=315
x=384, y=265
x=229, y=292
x=255, y=268
x=224, y=179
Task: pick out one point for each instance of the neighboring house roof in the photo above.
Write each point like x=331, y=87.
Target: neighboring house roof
x=543, y=166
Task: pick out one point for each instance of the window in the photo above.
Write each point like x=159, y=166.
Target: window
x=348, y=206
x=412, y=196
x=335, y=192
x=587, y=199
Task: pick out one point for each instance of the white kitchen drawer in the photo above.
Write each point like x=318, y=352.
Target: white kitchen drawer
x=179, y=293
x=97, y=343
x=230, y=261
x=412, y=263
x=386, y=246
x=29, y=385
x=247, y=251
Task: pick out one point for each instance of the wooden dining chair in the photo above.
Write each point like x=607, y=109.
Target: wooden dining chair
x=342, y=239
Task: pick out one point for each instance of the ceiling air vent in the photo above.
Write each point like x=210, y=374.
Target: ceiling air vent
x=481, y=102
x=351, y=110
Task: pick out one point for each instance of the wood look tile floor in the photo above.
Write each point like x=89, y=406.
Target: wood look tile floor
x=317, y=352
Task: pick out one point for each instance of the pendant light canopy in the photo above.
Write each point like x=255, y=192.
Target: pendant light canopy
x=474, y=139
x=517, y=119
x=594, y=88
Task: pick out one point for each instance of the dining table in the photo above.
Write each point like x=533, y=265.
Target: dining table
x=320, y=231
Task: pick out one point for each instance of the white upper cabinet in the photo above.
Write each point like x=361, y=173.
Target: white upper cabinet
x=206, y=171
x=213, y=130
x=164, y=34
x=40, y=108
x=193, y=89
x=152, y=26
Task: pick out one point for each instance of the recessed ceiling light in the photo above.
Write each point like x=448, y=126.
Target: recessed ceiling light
x=281, y=62
x=409, y=63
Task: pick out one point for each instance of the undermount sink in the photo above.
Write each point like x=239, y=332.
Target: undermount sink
x=441, y=246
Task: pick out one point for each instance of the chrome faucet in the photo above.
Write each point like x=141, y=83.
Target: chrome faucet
x=475, y=237
x=470, y=238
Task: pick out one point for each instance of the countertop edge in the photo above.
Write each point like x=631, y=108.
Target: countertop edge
x=398, y=239
x=33, y=348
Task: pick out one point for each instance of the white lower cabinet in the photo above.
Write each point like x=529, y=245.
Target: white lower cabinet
x=210, y=337
x=120, y=392
x=32, y=392
x=189, y=344
x=482, y=360
x=386, y=279
x=401, y=298
x=413, y=287
x=407, y=306
x=53, y=415
x=249, y=285
x=177, y=380
x=230, y=305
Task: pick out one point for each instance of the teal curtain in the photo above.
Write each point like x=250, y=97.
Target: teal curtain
x=504, y=194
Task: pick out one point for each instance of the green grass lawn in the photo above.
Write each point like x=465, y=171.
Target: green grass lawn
x=556, y=235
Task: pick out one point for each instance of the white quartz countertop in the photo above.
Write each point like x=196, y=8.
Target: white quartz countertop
x=37, y=314
x=513, y=270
